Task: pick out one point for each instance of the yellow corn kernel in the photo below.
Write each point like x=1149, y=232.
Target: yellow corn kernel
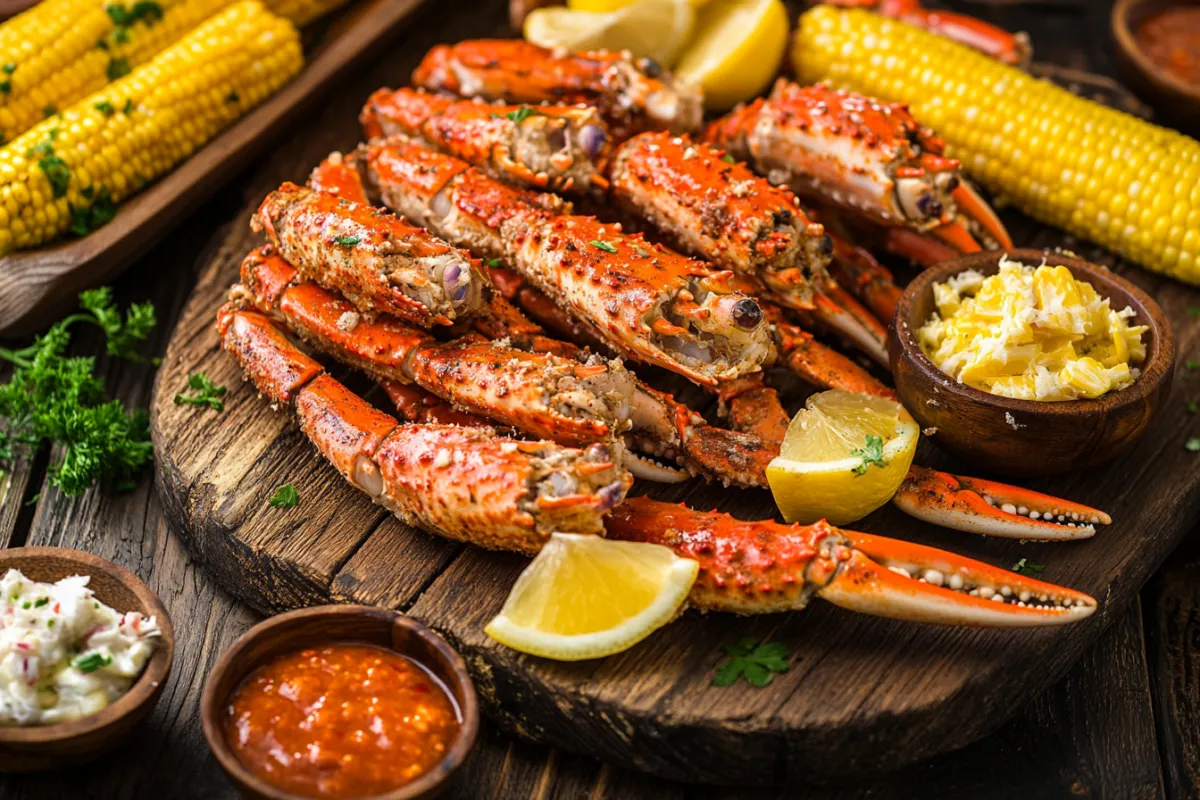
x=1112, y=185
x=60, y=51
x=302, y=12
x=67, y=173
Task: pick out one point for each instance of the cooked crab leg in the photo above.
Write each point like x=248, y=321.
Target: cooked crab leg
x=363, y=251
x=463, y=483
x=643, y=300
x=550, y=147
x=1011, y=48
x=632, y=94
x=567, y=401
x=866, y=157
x=994, y=509
x=758, y=567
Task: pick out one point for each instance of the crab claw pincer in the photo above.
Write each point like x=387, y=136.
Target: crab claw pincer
x=913, y=582
x=994, y=509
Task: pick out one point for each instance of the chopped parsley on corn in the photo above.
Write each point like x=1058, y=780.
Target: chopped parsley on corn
x=62, y=50
x=1099, y=173
x=68, y=172
x=1032, y=334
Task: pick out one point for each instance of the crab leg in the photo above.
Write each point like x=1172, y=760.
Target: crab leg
x=760, y=567
x=632, y=94
x=567, y=401
x=1011, y=48
x=866, y=157
x=366, y=252
x=994, y=509
x=463, y=483
x=549, y=147
x=643, y=300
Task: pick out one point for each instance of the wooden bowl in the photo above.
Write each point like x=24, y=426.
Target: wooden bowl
x=338, y=623
x=1175, y=99
x=1026, y=437
x=27, y=749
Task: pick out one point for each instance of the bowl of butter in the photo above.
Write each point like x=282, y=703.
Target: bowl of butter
x=1030, y=362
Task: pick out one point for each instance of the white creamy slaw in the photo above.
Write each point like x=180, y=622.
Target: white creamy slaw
x=64, y=654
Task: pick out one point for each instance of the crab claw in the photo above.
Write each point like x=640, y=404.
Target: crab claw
x=844, y=315
x=981, y=215
x=974, y=505
x=901, y=580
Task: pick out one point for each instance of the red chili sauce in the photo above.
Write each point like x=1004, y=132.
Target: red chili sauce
x=342, y=720
x=1171, y=39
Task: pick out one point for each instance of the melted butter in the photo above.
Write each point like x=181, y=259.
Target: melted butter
x=1032, y=334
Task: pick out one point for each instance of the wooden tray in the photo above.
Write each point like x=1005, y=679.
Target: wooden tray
x=36, y=286
x=863, y=694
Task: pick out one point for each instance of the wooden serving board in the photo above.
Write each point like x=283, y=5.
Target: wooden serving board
x=863, y=694
x=36, y=286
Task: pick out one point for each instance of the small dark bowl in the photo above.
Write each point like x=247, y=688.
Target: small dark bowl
x=1174, y=98
x=338, y=623
x=1051, y=438
x=41, y=747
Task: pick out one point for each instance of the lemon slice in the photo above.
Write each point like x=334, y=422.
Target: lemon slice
x=655, y=28
x=844, y=456
x=735, y=51
x=587, y=597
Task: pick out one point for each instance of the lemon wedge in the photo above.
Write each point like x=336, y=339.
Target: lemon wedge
x=657, y=29
x=586, y=597
x=844, y=456
x=735, y=51
x=606, y=6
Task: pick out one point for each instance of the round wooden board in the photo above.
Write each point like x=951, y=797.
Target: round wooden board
x=862, y=694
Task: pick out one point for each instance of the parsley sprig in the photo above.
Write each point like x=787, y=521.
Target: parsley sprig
x=285, y=496
x=871, y=454
x=1023, y=567
x=56, y=398
x=755, y=660
x=203, y=392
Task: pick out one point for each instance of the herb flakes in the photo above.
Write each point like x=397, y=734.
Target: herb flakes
x=756, y=661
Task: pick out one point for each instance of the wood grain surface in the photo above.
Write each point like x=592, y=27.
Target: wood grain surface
x=879, y=694
x=36, y=285
x=1123, y=723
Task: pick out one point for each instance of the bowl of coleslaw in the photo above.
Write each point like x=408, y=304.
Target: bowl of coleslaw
x=85, y=649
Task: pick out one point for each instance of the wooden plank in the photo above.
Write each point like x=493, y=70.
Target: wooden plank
x=1173, y=648
x=37, y=285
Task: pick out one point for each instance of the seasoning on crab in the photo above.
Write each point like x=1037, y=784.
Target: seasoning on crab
x=341, y=720
x=63, y=654
x=1032, y=334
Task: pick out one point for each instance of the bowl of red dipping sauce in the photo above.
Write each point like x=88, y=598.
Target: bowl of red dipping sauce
x=1158, y=52
x=340, y=702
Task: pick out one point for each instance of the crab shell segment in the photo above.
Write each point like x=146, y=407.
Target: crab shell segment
x=991, y=508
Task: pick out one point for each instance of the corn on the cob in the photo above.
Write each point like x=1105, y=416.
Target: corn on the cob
x=69, y=171
x=1098, y=173
x=302, y=12
x=60, y=51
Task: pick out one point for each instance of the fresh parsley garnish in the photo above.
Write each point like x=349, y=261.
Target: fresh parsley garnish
x=128, y=105
x=106, y=108
x=146, y=10
x=285, y=496
x=1192, y=365
x=728, y=159
x=5, y=87
x=871, y=454
x=1192, y=445
x=8, y=69
x=1194, y=311
x=521, y=114
x=641, y=252
x=41, y=602
x=49, y=111
x=92, y=662
x=1191, y=407
x=58, y=399
x=493, y=262
x=57, y=173
x=1024, y=567
x=232, y=97
x=756, y=661
x=206, y=393
x=347, y=241
x=118, y=68
x=85, y=219
x=603, y=245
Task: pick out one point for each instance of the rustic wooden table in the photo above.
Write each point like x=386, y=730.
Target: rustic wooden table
x=1124, y=723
